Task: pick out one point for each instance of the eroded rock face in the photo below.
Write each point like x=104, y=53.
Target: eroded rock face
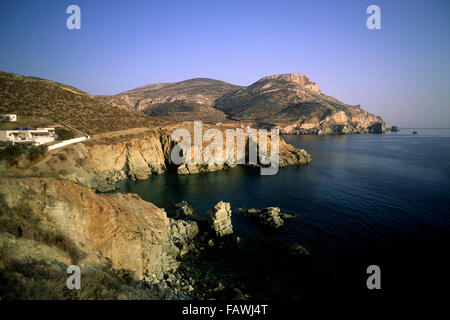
x=100, y=163
x=290, y=156
x=295, y=104
x=219, y=219
x=183, y=232
x=346, y=120
x=137, y=158
x=49, y=219
x=301, y=80
x=271, y=217
x=184, y=211
x=376, y=128
x=193, y=168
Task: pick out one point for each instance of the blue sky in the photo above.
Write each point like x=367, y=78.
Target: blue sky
x=401, y=72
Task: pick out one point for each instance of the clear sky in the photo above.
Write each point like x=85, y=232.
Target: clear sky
x=401, y=72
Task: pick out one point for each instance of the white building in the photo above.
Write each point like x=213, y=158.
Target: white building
x=8, y=117
x=37, y=136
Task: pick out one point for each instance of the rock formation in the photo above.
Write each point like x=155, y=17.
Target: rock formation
x=299, y=249
x=376, y=128
x=295, y=104
x=182, y=233
x=219, y=219
x=271, y=217
x=50, y=216
x=133, y=234
x=100, y=162
x=184, y=210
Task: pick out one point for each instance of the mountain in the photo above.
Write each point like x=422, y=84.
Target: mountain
x=291, y=102
x=296, y=104
x=192, y=99
x=40, y=102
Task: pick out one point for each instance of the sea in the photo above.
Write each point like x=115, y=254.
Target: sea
x=365, y=200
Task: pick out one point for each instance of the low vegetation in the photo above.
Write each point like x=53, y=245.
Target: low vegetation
x=13, y=153
x=64, y=134
x=34, y=98
x=39, y=281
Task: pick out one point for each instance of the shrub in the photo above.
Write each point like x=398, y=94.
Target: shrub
x=64, y=134
x=12, y=153
x=62, y=156
x=35, y=152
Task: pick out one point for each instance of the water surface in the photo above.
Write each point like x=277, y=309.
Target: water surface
x=364, y=199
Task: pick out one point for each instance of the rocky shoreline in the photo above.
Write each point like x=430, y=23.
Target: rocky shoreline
x=54, y=213
x=215, y=241
x=127, y=248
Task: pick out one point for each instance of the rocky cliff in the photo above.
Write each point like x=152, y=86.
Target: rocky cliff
x=51, y=217
x=99, y=163
x=48, y=224
x=132, y=233
x=126, y=248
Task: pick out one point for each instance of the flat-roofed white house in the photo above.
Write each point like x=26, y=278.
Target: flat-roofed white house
x=8, y=117
x=36, y=136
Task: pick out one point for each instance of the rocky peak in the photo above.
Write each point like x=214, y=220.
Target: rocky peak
x=298, y=79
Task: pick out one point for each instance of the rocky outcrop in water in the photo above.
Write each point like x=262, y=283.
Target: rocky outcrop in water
x=269, y=217
x=219, y=219
x=298, y=249
x=182, y=233
x=136, y=158
x=184, y=211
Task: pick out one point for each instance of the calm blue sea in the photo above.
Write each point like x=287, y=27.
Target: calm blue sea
x=364, y=199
